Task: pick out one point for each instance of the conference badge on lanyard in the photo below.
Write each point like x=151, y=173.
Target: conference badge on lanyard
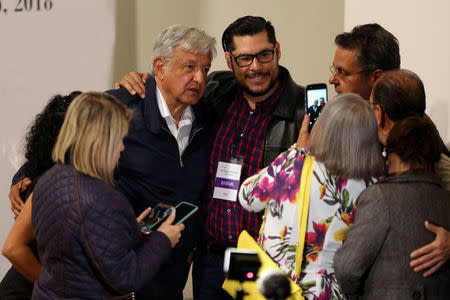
x=228, y=175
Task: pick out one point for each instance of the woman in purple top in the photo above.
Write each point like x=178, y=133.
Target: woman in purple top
x=89, y=242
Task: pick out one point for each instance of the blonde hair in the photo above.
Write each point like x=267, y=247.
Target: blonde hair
x=91, y=134
x=345, y=138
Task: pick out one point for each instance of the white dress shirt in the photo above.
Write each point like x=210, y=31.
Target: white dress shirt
x=181, y=133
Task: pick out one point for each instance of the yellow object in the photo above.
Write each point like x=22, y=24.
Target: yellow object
x=303, y=209
x=245, y=241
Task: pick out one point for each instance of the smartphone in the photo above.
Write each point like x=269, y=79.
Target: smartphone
x=156, y=213
x=316, y=98
x=183, y=211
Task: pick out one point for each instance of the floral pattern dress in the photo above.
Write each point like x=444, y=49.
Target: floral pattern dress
x=331, y=211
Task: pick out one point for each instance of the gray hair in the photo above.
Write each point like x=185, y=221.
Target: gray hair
x=187, y=38
x=345, y=138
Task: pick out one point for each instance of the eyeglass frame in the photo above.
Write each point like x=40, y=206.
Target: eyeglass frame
x=253, y=57
x=341, y=74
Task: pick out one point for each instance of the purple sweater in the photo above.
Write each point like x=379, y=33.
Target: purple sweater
x=102, y=230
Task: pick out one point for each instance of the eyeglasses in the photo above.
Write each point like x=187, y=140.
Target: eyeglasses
x=246, y=60
x=341, y=73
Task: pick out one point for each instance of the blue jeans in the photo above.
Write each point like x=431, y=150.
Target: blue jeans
x=208, y=275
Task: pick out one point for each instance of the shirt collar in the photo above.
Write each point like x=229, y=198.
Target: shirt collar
x=186, y=117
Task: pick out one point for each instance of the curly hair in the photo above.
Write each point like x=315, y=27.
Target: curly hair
x=42, y=135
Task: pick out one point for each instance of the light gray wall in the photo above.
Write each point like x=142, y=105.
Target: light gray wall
x=305, y=29
x=423, y=30
x=42, y=53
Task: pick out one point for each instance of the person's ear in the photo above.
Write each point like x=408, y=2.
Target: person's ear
x=278, y=51
x=388, y=123
x=376, y=75
x=380, y=116
x=385, y=124
x=159, y=65
x=228, y=59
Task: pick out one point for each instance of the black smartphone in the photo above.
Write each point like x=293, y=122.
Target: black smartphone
x=183, y=211
x=316, y=98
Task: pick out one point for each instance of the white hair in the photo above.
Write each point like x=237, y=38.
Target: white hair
x=190, y=39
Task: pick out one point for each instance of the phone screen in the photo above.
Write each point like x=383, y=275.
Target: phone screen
x=157, y=212
x=316, y=99
x=183, y=211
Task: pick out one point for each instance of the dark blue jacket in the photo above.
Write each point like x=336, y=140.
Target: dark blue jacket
x=101, y=229
x=151, y=169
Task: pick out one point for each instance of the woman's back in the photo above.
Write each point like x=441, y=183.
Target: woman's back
x=64, y=248
x=401, y=204
x=343, y=141
x=331, y=209
x=374, y=262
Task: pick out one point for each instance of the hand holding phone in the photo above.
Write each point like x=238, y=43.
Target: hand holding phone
x=303, y=135
x=183, y=211
x=156, y=213
x=172, y=231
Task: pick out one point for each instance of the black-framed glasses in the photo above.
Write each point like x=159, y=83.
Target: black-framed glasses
x=246, y=60
x=341, y=73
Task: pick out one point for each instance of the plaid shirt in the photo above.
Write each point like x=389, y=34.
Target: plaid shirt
x=245, y=129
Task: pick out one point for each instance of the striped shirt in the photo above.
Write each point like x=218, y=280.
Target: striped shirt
x=242, y=131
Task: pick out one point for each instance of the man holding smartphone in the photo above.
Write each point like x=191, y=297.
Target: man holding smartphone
x=259, y=110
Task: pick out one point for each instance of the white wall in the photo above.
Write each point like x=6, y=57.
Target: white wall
x=423, y=30
x=305, y=29
x=43, y=53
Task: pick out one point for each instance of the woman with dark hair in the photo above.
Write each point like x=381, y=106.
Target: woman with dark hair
x=39, y=144
x=374, y=261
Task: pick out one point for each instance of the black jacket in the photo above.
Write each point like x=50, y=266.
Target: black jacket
x=285, y=122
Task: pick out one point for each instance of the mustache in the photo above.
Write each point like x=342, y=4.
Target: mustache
x=194, y=86
x=256, y=74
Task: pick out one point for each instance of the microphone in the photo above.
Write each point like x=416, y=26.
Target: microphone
x=274, y=285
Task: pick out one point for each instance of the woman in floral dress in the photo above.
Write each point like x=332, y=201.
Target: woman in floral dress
x=346, y=154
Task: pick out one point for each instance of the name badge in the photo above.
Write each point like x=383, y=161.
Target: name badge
x=226, y=184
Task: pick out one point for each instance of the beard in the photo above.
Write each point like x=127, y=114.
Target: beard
x=252, y=93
